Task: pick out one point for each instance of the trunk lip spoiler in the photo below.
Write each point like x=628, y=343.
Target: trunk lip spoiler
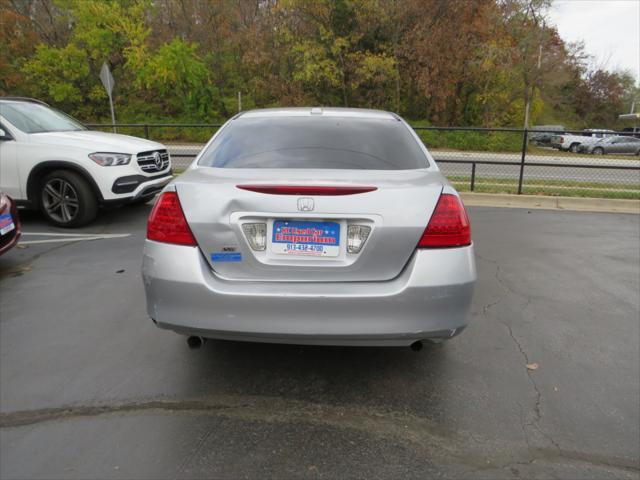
x=316, y=190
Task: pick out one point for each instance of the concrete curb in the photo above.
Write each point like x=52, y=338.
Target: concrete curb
x=578, y=204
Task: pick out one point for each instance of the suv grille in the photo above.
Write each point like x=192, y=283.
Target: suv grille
x=154, y=161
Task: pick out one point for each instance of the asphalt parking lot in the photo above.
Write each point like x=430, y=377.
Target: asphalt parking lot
x=89, y=388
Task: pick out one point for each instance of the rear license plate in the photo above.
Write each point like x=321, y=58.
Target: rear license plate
x=314, y=239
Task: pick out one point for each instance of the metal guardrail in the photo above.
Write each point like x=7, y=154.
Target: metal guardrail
x=523, y=168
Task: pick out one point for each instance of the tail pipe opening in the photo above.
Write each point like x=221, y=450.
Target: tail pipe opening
x=195, y=342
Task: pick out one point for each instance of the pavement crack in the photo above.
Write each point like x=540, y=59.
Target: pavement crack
x=537, y=404
x=523, y=426
x=506, y=291
x=188, y=460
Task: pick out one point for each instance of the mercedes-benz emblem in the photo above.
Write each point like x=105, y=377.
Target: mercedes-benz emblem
x=157, y=160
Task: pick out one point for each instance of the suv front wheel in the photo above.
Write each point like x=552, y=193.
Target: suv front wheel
x=67, y=200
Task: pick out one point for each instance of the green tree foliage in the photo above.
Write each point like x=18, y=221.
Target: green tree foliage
x=177, y=73
x=59, y=73
x=472, y=62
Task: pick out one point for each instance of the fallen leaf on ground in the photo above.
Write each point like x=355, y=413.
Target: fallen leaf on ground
x=532, y=366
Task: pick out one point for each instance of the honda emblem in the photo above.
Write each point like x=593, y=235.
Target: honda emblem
x=305, y=204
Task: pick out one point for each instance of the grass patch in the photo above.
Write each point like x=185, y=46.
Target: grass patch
x=471, y=141
x=558, y=188
x=196, y=135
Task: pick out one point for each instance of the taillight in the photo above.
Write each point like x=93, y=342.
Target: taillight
x=167, y=222
x=449, y=225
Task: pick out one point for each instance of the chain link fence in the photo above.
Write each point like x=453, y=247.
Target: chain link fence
x=489, y=160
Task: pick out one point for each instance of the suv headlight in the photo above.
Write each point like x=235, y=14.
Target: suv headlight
x=107, y=159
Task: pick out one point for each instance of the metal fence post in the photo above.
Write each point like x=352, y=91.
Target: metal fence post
x=473, y=176
x=525, y=136
x=146, y=131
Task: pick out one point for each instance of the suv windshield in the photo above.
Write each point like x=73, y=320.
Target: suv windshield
x=36, y=118
x=315, y=142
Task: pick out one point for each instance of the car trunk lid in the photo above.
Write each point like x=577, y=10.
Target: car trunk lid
x=294, y=203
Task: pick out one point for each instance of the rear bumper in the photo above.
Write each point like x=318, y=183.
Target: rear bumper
x=430, y=299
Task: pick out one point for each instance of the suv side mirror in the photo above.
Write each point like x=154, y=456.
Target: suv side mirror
x=4, y=135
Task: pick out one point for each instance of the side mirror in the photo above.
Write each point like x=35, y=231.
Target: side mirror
x=4, y=135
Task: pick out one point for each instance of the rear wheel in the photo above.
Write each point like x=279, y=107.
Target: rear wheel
x=574, y=147
x=598, y=151
x=67, y=200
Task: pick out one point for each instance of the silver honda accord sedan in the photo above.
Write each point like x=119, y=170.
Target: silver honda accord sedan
x=321, y=226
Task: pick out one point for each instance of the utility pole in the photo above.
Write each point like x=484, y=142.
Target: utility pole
x=239, y=102
x=527, y=107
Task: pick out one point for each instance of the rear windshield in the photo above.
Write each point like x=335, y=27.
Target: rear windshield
x=315, y=142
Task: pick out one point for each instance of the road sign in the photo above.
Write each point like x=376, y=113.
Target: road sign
x=107, y=80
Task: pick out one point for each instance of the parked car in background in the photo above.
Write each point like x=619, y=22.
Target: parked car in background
x=620, y=144
x=571, y=142
x=541, y=134
x=50, y=161
x=315, y=226
x=10, y=228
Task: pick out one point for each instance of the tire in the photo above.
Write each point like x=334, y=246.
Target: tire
x=574, y=147
x=67, y=200
x=598, y=151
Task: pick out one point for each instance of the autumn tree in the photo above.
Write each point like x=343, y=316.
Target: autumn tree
x=473, y=62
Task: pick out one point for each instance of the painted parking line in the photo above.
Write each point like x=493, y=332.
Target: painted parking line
x=70, y=237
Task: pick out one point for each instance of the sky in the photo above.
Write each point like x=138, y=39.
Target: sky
x=610, y=30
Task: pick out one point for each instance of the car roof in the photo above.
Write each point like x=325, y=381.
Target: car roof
x=319, y=111
x=22, y=100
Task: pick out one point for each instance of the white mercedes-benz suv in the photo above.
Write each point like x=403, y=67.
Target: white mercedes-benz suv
x=51, y=162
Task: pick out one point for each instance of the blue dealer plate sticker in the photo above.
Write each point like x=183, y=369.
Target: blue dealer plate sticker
x=226, y=257
x=314, y=239
x=6, y=223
